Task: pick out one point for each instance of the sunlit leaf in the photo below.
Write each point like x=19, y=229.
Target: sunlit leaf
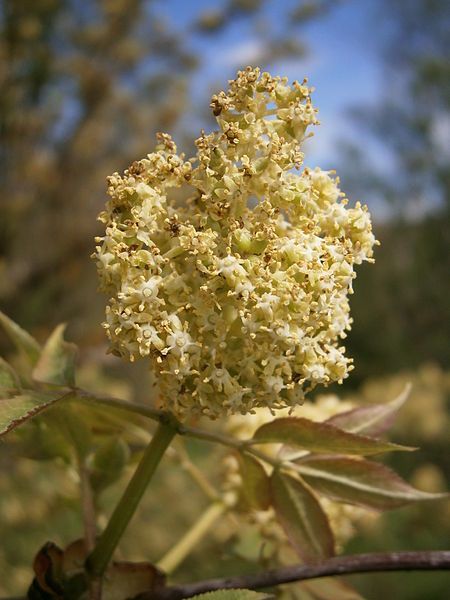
x=255, y=482
x=372, y=419
x=56, y=363
x=8, y=377
x=302, y=518
x=18, y=409
x=23, y=341
x=320, y=437
x=360, y=481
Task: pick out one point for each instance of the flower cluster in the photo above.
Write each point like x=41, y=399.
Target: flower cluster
x=231, y=271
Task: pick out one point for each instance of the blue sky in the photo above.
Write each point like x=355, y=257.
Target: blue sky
x=343, y=62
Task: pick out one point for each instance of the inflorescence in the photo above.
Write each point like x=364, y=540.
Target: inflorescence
x=231, y=271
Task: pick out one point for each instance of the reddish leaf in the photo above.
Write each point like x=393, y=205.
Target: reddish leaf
x=372, y=419
x=47, y=567
x=255, y=482
x=302, y=518
x=320, y=437
x=360, y=481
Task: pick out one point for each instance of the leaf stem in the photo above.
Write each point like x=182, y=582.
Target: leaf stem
x=183, y=547
x=181, y=428
x=99, y=558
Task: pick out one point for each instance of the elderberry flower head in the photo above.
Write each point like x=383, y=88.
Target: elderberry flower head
x=230, y=271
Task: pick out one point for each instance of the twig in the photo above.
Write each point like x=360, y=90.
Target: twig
x=341, y=565
x=98, y=559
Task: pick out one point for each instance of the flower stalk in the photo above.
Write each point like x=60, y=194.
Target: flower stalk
x=100, y=557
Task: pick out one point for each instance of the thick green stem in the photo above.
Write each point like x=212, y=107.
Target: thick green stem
x=100, y=557
x=178, y=553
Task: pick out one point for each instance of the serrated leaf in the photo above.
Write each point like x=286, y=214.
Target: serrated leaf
x=234, y=594
x=255, y=482
x=320, y=437
x=302, y=518
x=358, y=481
x=56, y=363
x=24, y=342
x=372, y=419
x=108, y=463
x=19, y=409
x=8, y=377
x=329, y=588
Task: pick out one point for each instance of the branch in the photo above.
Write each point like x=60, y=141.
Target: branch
x=341, y=565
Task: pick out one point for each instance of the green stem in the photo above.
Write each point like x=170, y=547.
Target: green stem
x=99, y=558
x=157, y=415
x=224, y=440
x=182, y=548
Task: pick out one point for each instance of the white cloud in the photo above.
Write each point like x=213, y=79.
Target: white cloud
x=247, y=52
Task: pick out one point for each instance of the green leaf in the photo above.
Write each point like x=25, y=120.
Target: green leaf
x=235, y=594
x=42, y=441
x=73, y=426
x=56, y=363
x=19, y=409
x=108, y=463
x=24, y=342
x=358, y=481
x=320, y=437
x=255, y=482
x=372, y=419
x=329, y=588
x=8, y=377
x=302, y=518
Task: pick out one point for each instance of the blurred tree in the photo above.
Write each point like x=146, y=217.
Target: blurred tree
x=85, y=85
x=402, y=313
